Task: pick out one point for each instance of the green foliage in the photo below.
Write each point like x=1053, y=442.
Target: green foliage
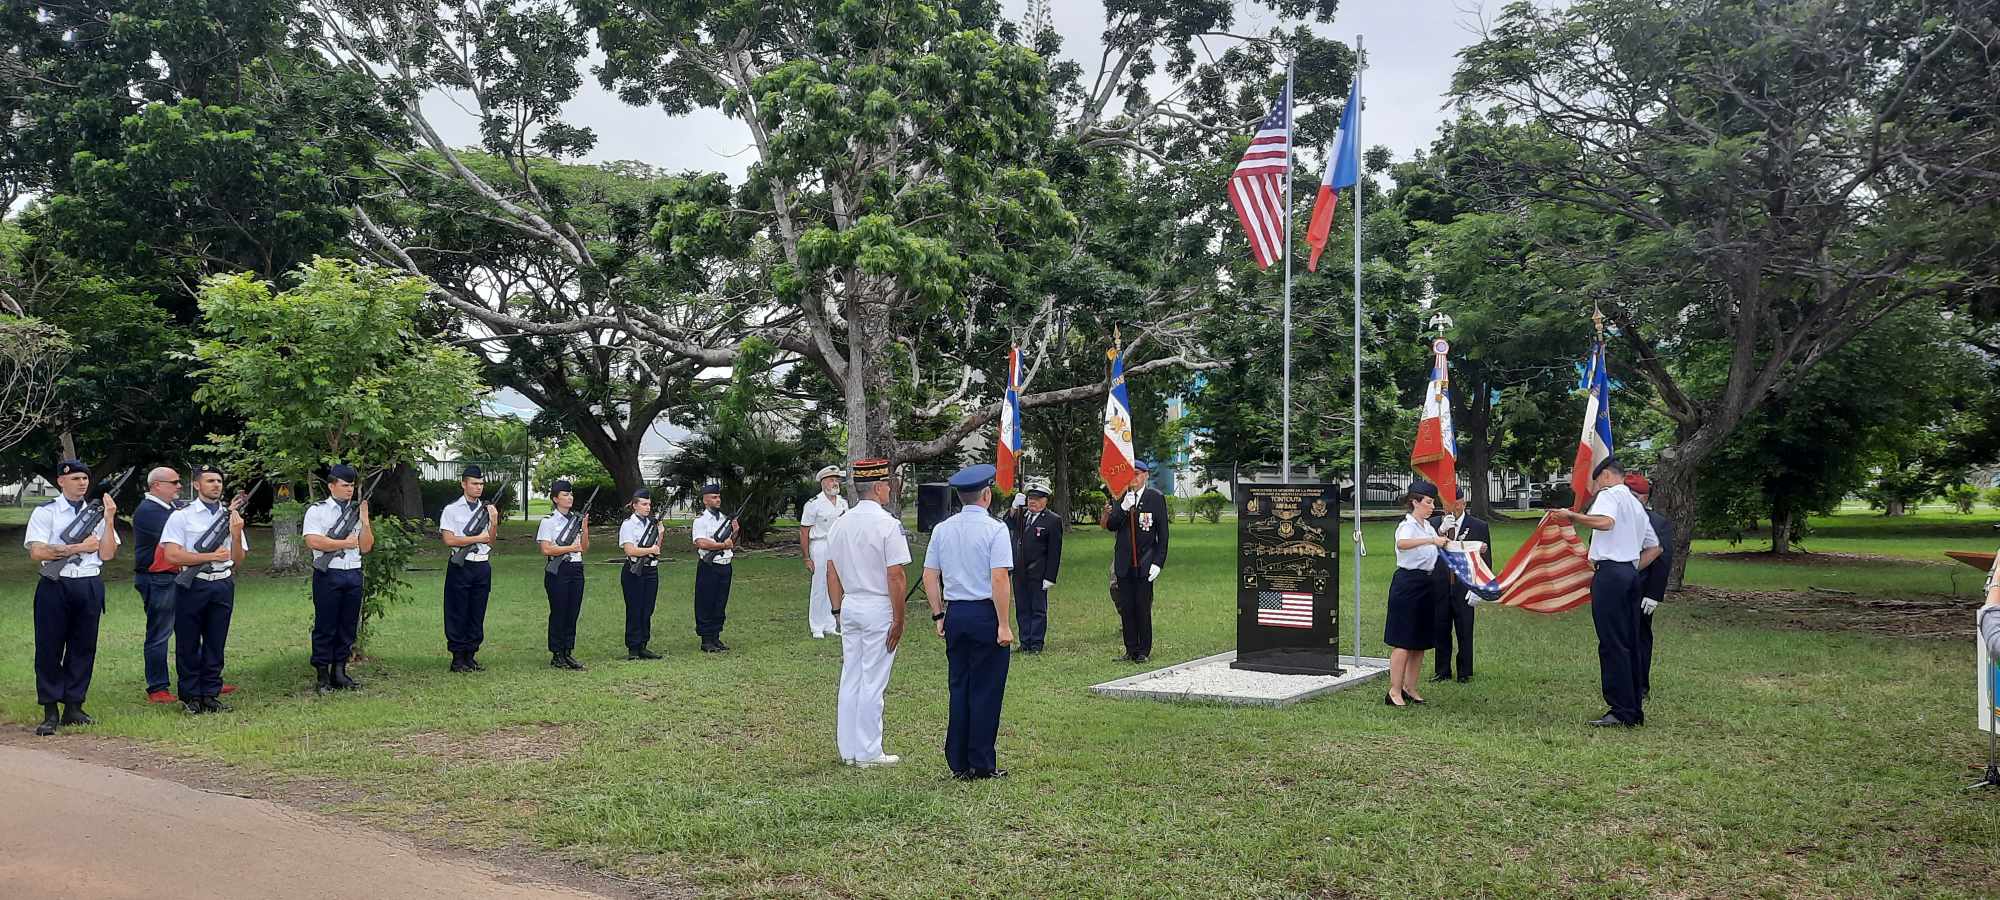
x=331, y=370
x=439, y=493
x=383, y=580
x=1210, y=506
x=570, y=460
x=1992, y=496
x=1962, y=498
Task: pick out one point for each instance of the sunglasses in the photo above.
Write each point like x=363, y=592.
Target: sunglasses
x=168, y=481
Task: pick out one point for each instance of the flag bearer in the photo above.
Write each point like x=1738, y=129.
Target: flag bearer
x=1139, y=518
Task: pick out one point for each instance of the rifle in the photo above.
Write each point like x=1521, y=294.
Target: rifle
x=211, y=540
x=728, y=529
x=568, y=534
x=478, y=524
x=350, y=518
x=80, y=527
x=648, y=538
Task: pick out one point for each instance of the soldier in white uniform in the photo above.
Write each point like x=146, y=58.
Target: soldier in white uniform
x=468, y=581
x=69, y=606
x=639, y=578
x=203, y=608
x=336, y=592
x=865, y=580
x=815, y=525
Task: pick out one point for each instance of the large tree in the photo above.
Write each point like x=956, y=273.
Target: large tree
x=1776, y=178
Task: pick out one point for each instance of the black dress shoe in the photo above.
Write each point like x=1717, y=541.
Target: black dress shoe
x=1463, y=679
x=472, y=663
x=1141, y=658
x=570, y=663
x=50, y=720
x=1611, y=721
x=556, y=661
x=710, y=647
x=1390, y=700
x=719, y=645
x=957, y=775
x=982, y=774
x=643, y=653
x=75, y=715
x=193, y=705
x=1412, y=698
x=1441, y=676
x=458, y=664
x=214, y=705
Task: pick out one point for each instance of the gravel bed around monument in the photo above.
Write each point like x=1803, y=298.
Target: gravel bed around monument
x=1210, y=679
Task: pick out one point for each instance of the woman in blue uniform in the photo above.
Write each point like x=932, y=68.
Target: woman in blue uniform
x=1412, y=594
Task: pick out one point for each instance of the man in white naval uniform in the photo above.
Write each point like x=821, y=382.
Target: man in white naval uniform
x=815, y=526
x=866, y=583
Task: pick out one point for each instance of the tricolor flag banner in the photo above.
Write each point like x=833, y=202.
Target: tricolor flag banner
x=1010, y=422
x=1285, y=609
x=1341, y=172
x=1435, y=454
x=1257, y=187
x=1116, y=464
x=1595, y=444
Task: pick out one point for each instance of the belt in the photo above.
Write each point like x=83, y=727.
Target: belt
x=1614, y=562
x=980, y=600
x=97, y=574
x=335, y=567
x=216, y=576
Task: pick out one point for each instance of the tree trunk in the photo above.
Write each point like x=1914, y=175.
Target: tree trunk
x=1893, y=508
x=1674, y=497
x=620, y=456
x=1060, y=501
x=399, y=495
x=1781, y=526
x=1478, y=446
x=288, y=549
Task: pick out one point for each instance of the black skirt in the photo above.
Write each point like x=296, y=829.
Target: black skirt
x=1413, y=598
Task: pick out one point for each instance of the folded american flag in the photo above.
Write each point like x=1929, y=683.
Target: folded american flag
x=1549, y=574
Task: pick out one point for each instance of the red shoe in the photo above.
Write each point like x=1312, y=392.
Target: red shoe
x=160, y=697
x=229, y=688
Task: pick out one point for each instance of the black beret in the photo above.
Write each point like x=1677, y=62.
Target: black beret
x=1422, y=488
x=562, y=486
x=343, y=472
x=206, y=469
x=71, y=467
x=1610, y=462
x=472, y=471
x=642, y=494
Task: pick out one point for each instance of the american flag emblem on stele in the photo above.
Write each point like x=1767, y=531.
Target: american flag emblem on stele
x=1285, y=609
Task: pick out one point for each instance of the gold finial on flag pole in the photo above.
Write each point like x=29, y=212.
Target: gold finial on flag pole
x=1597, y=318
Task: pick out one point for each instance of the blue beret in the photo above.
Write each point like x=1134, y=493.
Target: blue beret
x=472, y=471
x=1422, y=488
x=71, y=467
x=711, y=488
x=1140, y=465
x=343, y=472
x=1610, y=462
x=562, y=486
x=642, y=494
x=972, y=478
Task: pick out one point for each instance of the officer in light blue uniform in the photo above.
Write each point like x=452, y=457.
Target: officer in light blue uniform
x=967, y=578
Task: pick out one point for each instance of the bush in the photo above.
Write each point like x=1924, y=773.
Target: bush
x=1209, y=506
x=382, y=584
x=1993, y=497
x=1962, y=497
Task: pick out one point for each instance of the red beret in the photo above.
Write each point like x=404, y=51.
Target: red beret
x=1638, y=483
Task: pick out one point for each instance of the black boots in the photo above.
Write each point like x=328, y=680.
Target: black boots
x=564, y=661
x=342, y=680
x=325, y=683
x=50, y=720
x=713, y=645
x=73, y=714
x=642, y=653
x=458, y=661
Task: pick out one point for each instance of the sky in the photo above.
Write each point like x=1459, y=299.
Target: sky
x=1411, y=48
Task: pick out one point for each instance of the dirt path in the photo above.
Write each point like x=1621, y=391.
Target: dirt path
x=75, y=829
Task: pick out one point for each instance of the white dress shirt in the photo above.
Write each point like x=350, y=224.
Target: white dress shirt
x=631, y=531
x=551, y=530
x=706, y=526
x=820, y=514
x=1423, y=558
x=456, y=517
x=864, y=544
x=186, y=526
x=1631, y=530
x=46, y=525
x=320, y=518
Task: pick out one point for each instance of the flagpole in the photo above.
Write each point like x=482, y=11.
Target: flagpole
x=1291, y=132
x=1359, y=491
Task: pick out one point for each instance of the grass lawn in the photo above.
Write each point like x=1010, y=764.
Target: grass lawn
x=1778, y=762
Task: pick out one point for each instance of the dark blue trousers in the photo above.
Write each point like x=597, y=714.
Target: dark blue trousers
x=1614, y=609
x=1031, y=611
x=978, y=675
x=156, y=590
x=336, y=615
x=565, y=590
x=1135, y=612
x=201, y=633
x=466, y=588
x=67, y=611
x=642, y=594
x=1645, y=670
x=711, y=597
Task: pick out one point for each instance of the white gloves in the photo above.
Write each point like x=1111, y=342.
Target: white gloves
x=1047, y=584
x=1648, y=604
x=1475, y=601
x=1450, y=523
x=1153, y=574
x=1131, y=500
x=1020, y=500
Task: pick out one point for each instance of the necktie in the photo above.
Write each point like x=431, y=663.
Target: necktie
x=76, y=506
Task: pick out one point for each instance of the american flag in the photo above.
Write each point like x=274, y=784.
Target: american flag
x=1285, y=609
x=1550, y=573
x=1257, y=187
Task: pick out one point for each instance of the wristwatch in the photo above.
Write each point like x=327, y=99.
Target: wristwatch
x=937, y=617
x=836, y=612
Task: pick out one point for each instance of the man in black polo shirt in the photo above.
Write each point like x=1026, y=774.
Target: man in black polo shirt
x=153, y=576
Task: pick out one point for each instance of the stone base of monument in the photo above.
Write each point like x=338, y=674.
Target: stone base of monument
x=1211, y=680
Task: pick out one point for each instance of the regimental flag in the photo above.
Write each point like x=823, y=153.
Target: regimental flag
x=1257, y=187
x=1010, y=422
x=1595, y=444
x=1341, y=172
x=1116, y=464
x=1285, y=609
x=1435, y=454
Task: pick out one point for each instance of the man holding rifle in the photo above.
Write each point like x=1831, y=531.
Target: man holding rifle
x=565, y=537
x=469, y=527
x=715, y=537
x=71, y=549
x=337, y=530
x=639, y=537
x=205, y=539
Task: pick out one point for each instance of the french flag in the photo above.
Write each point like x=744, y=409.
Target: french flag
x=1595, y=444
x=1010, y=422
x=1341, y=174
x=1435, y=453
x=1115, y=466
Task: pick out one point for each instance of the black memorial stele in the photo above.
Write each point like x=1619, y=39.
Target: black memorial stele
x=1287, y=584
